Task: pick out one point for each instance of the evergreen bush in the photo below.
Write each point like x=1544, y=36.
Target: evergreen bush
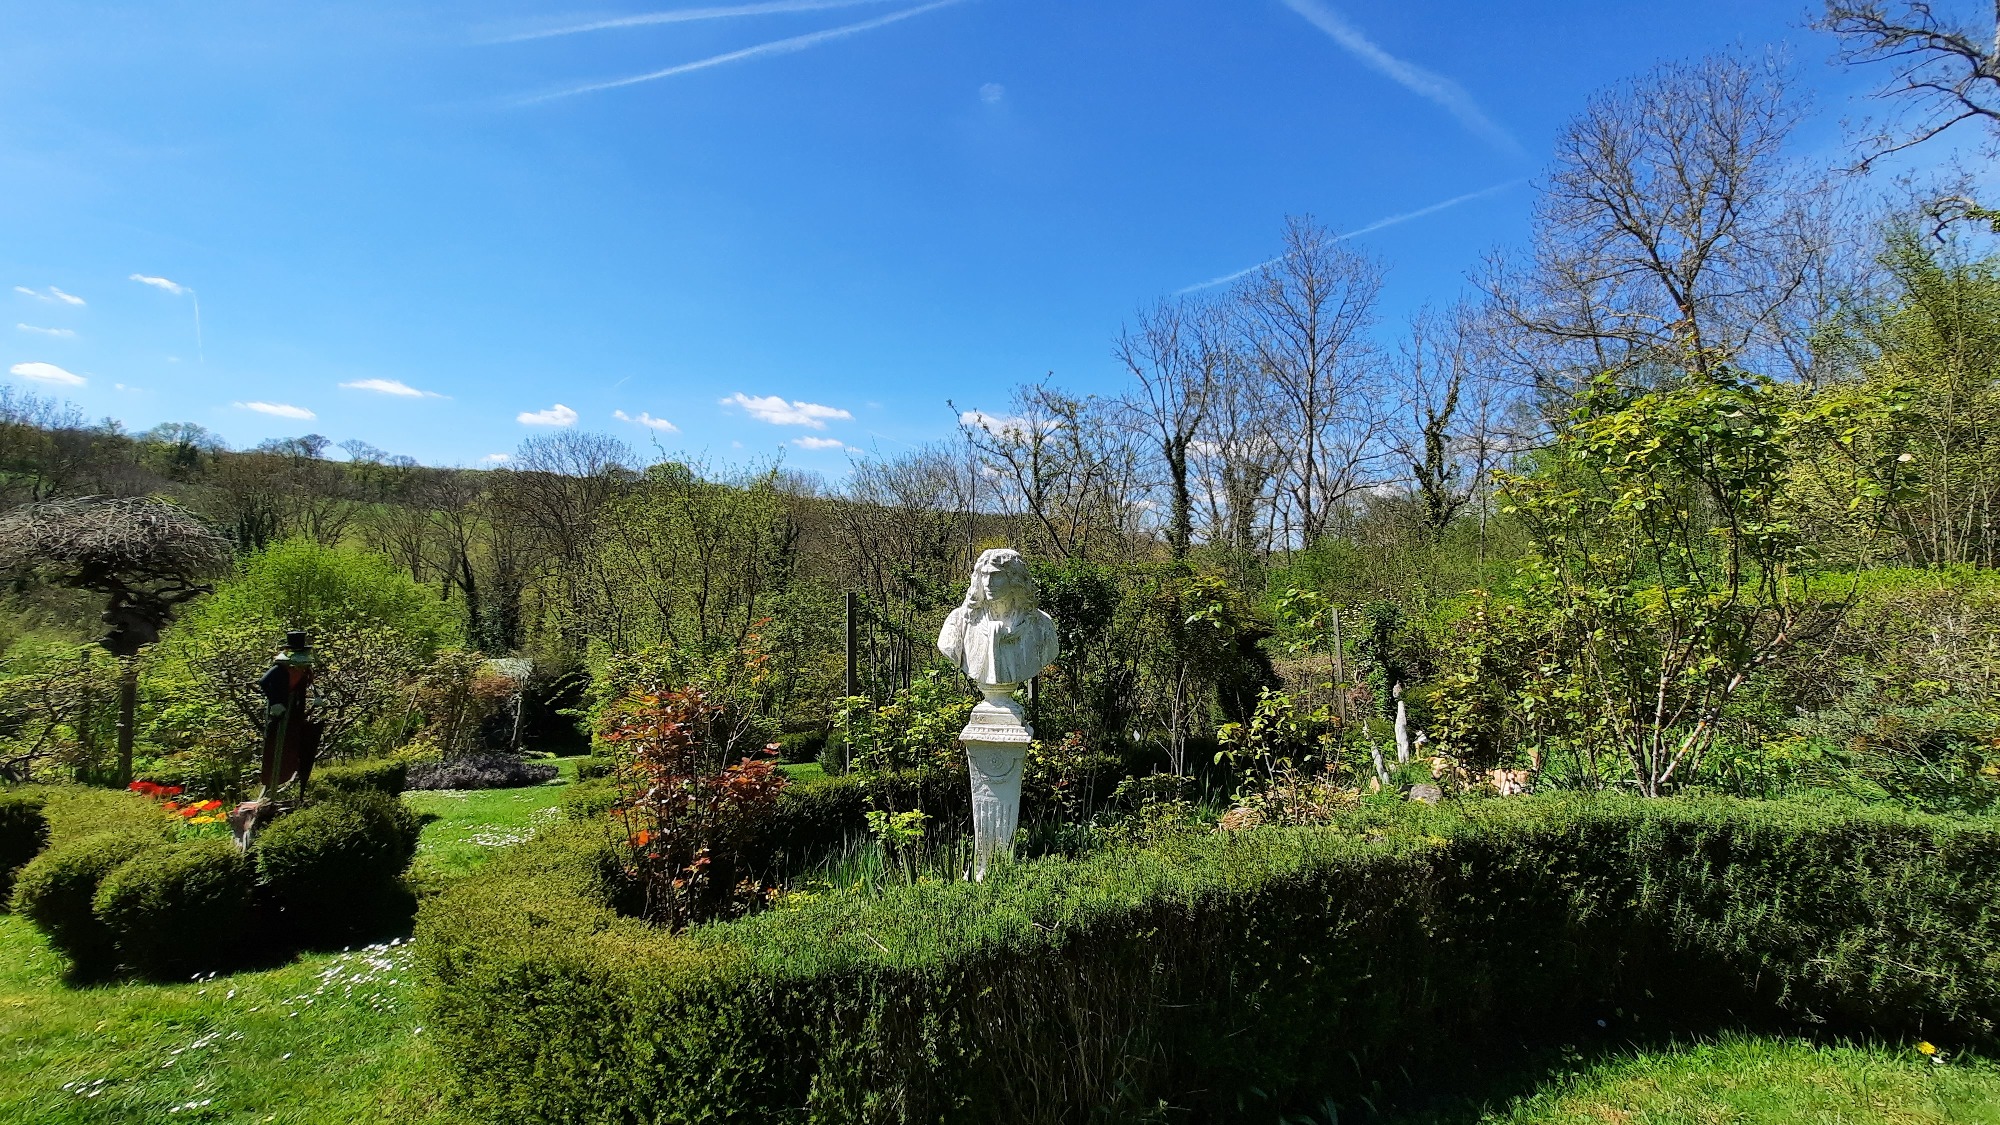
x=593, y=768
x=57, y=890
x=336, y=866
x=588, y=800
x=1233, y=976
x=24, y=832
x=179, y=908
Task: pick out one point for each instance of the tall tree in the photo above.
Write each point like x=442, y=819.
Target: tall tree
x=1303, y=319
x=1673, y=235
x=1175, y=357
x=1946, y=73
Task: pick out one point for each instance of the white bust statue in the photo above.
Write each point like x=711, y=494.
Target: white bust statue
x=999, y=636
x=1001, y=639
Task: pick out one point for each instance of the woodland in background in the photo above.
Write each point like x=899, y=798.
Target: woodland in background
x=1698, y=488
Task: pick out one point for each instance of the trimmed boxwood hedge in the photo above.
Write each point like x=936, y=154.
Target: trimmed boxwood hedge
x=24, y=832
x=382, y=776
x=178, y=908
x=593, y=768
x=57, y=891
x=1226, y=977
x=335, y=867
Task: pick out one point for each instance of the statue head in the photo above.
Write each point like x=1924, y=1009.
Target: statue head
x=1001, y=584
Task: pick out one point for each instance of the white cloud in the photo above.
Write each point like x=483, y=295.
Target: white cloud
x=50, y=294
x=819, y=443
x=390, y=387
x=992, y=93
x=59, y=333
x=996, y=424
x=645, y=419
x=495, y=459
x=778, y=412
x=46, y=373
x=173, y=287
x=1424, y=83
x=557, y=415
x=279, y=410
x=775, y=47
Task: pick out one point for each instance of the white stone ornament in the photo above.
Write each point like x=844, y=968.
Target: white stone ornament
x=1001, y=639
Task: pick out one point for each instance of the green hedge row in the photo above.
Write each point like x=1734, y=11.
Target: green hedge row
x=381, y=776
x=1224, y=978
x=127, y=895
x=24, y=831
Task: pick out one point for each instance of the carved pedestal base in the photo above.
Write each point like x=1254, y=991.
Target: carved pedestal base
x=996, y=751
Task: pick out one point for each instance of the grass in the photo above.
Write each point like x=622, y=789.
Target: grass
x=1752, y=1080
x=328, y=1037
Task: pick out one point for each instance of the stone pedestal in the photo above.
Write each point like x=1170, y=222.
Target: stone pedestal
x=996, y=751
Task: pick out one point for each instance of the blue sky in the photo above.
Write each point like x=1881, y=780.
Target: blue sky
x=809, y=227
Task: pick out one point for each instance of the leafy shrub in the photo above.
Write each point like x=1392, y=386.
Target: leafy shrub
x=801, y=745
x=24, y=832
x=57, y=889
x=588, y=800
x=334, y=868
x=1299, y=963
x=178, y=908
x=381, y=776
x=693, y=817
x=593, y=768
x=481, y=771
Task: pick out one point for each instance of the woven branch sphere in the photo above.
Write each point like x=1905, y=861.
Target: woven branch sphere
x=136, y=536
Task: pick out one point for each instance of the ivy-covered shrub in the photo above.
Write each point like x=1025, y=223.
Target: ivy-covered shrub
x=179, y=908
x=24, y=832
x=57, y=892
x=336, y=866
x=481, y=771
x=1232, y=977
x=382, y=776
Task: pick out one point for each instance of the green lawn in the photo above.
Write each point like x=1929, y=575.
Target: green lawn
x=327, y=1038
x=1746, y=1080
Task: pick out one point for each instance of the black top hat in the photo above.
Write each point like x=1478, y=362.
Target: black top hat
x=297, y=641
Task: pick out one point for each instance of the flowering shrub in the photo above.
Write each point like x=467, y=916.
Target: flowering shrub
x=691, y=816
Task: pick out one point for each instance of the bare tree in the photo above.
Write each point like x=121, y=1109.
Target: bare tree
x=1175, y=356
x=146, y=557
x=1064, y=461
x=1430, y=437
x=1303, y=319
x=1672, y=235
x=1946, y=73
x=1237, y=456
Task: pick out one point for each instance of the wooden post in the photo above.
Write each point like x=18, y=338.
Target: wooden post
x=1339, y=672
x=853, y=679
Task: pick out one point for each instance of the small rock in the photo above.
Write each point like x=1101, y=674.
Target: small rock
x=1426, y=793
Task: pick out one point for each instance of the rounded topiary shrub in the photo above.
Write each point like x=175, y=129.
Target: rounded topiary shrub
x=590, y=769
x=336, y=866
x=57, y=890
x=178, y=909
x=24, y=832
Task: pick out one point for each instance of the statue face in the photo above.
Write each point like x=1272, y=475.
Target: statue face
x=1003, y=579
